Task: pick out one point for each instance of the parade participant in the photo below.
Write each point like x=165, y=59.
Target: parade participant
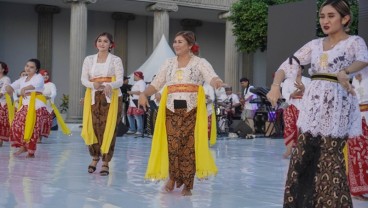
x=329, y=114
x=180, y=145
x=4, y=115
x=357, y=147
x=32, y=114
x=102, y=75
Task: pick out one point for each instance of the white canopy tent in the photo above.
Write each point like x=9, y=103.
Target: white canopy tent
x=152, y=65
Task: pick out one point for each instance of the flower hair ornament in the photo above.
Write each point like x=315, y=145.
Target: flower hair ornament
x=112, y=46
x=195, y=49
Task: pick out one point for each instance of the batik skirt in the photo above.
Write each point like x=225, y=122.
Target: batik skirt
x=358, y=162
x=18, y=125
x=4, y=123
x=180, y=135
x=316, y=176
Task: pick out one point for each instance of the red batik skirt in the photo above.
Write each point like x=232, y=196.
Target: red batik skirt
x=291, y=114
x=358, y=162
x=18, y=125
x=4, y=123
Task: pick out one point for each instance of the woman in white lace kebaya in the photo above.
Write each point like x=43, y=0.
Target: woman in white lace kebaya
x=329, y=112
x=102, y=75
x=178, y=151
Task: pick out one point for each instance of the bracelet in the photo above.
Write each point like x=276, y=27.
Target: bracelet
x=276, y=84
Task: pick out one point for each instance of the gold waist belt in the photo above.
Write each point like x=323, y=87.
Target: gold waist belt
x=363, y=107
x=182, y=88
x=101, y=79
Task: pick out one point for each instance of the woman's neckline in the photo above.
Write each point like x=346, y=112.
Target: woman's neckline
x=334, y=45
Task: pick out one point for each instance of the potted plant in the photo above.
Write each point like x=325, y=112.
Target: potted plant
x=64, y=106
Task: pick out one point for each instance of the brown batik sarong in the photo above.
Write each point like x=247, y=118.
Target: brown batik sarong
x=99, y=117
x=180, y=135
x=316, y=176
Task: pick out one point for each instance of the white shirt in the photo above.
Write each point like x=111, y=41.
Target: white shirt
x=112, y=67
x=247, y=94
x=288, y=87
x=4, y=81
x=196, y=71
x=361, y=89
x=37, y=82
x=49, y=91
x=140, y=86
x=327, y=109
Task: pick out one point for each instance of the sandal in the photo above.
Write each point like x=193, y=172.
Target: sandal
x=104, y=172
x=92, y=168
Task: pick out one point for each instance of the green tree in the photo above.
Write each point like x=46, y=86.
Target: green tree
x=250, y=23
x=354, y=7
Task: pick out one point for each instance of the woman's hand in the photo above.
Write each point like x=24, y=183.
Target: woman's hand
x=343, y=79
x=143, y=101
x=97, y=85
x=22, y=92
x=300, y=86
x=274, y=95
x=107, y=90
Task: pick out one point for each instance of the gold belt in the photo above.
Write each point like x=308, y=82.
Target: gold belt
x=182, y=88
x=326, y=77
x=101, y=79
x=363, y=107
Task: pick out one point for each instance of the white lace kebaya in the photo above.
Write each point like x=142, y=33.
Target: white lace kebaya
x=327, y=109
x=196, y=71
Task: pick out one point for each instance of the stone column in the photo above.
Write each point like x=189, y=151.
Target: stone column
x=44, y=34
x=232, y=56
x=161, y=20
x=190, y=24
x=121, y=35
x=78, y=45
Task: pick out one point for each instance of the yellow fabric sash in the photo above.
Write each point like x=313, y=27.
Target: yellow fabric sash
x=60, y=120
x=213, y=133
x=345, y=151
x=158, y=163
x=88, y=133
x=31, y=115
x=10, y=106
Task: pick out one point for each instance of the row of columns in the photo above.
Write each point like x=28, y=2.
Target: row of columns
x=78, y=41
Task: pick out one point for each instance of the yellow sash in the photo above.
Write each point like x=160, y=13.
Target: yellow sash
x=88, y=133
x=158, y=163
x=60, y=120
x=31, y=115
x=10, y=106
x=213, y=133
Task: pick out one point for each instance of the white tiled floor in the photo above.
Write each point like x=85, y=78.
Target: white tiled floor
x=251, y=174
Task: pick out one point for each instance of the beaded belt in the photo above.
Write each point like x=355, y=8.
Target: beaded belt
x=327, y=77
x=363, y=107
x=101, y=79
x=182, y=88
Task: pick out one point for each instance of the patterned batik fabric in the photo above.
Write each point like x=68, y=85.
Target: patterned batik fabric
x=358, y=162
x=18, y=125
x=46, y=127
x=316, y=176
x=290, y=129
x=99, y=117
x=4, y=123
x=180, y=135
